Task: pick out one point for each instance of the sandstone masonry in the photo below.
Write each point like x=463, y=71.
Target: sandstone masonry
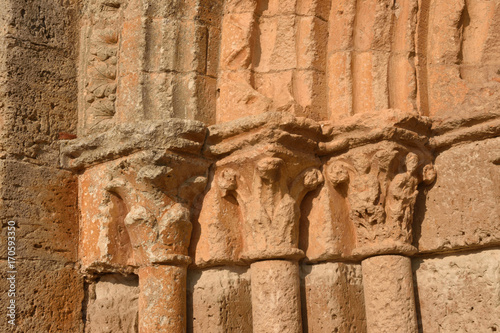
x=251, y=165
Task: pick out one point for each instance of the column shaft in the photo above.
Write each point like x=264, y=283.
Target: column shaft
x=389, y=298
x=162, y=299
x=276, y=296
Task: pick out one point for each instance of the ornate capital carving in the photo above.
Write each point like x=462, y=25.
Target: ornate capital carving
x=379, y=180
x=269, y=195
x=139, y=204
x=381, y=183
x=263, y=186
x=158, y=191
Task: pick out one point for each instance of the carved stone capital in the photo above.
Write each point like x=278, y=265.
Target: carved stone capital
x=262, y=186
x=269, y=190
x=136, y=209
x=379, y=180
x=158, y=191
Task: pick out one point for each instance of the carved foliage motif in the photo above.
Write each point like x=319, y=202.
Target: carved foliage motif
x=157, y=196
x=252, y=206
x=269, y=197
x=380, y=185
x=101, y=75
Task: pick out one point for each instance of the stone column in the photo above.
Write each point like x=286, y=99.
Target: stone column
x=276, y=296
x=137, y=215
x=160, y=249
x=379, y=181
x=389, y=298
x=266, y=164
x=162, y=299
x=270, y=207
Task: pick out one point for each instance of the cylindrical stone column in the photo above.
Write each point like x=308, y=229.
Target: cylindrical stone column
x=162, y=299
x=389, y=297
x=276, y=296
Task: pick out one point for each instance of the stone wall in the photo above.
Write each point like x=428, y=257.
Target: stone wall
x=251, y=165
x=38, y=92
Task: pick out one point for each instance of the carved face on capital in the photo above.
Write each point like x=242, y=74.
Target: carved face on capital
x=268, y=168
x=227, y=180
x=429, y=174
x=411, y=163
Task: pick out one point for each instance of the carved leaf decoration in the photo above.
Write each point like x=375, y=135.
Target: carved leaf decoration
x=109, y=36
x=103, y=108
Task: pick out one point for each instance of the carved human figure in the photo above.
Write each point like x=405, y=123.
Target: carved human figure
x=364, y=199
x=401, y=196
x=381, y=205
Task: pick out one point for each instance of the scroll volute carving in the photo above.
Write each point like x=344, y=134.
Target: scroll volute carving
x=379, y=183
x=158, y=191
x=267, y=190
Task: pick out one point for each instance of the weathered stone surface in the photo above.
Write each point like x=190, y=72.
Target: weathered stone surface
x=199, y=141
x=135, y=211
x=160, y=55
x=455, y=70
x=174, y=134
x=38, y=86
x=43, y=203
x=276, y=296
x=273, y=58
x=219, y=300
x=332, y=298
x=261, y=184
x=371, y=172
x=462, y=208
x=49, y=297
x=38, y=94
x=459, y=293
x=112, y=305
x=162, y=299
x=388, y=293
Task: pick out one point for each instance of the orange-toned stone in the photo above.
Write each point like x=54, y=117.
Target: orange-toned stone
x=388, y=293
x=266, y=184
x=237, y=39
x=162, y=299
x=372, y=191
x=332, y=298
x=262, y=191
x=276, y=296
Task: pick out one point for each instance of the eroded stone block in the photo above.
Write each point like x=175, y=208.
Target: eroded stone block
x=43, y=203
x=112, y=305
x=49, y=297
x=463, y=207
x=219, y=300
x=459, y=293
